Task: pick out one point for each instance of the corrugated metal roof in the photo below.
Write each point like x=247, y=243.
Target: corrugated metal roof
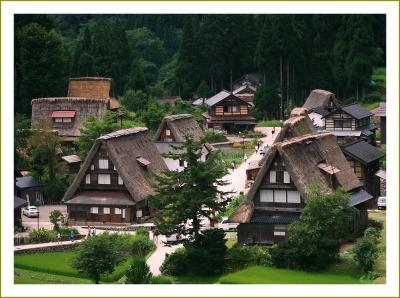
x=217, y=97
x=63, y=114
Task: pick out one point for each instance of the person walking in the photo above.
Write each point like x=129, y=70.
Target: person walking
x=58, y=237
x=233, y=166
x=256, y=148
x=89, y=230
x=245, y=157
x=72, y=235
x=94, y=231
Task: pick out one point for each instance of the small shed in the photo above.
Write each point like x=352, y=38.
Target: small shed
x=73, y=163
x=30, y=189
x=381, y=113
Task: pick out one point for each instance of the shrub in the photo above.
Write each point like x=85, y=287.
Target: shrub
x=175, y=263
x=378, y=225
x=55, y=217
x=206, y=254
x=139, y=272
x=67, y=231
x=237, y=145
x=142, y=232
x=233, y=205
x=141, y=245
x=366, y=250
x=239, y=257
x=42, y=235
x=161, y=279
x=211, y=136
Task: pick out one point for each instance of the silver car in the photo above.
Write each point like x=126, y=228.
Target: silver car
x=381, y=203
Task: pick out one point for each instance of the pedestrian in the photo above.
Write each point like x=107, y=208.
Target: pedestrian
x=155, y=235
x=233, y=165
x=71, y=235
x=256, y=148
x=245, y=157
x=273, y=130
x=94, y=231
x=89, y=231
x=58, y=237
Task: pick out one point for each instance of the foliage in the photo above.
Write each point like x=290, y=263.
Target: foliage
x=98, y=255
x=239, y=257
x=184, y=197
x=41, y=235
x=161, y=279
x=54, y=189
x=267, y=101
x=269, y=123
x=139, y=272
x=206, y=254
x=233, y=204
x=134, y=100
x=142, y=232
x=55, y=217
x=314, y=239
x=22, y=276
x=153, y=115
x=67, y=231
x=22, y=132
x=141, y=245
x=211, y=136
x=175, y=263
x=382, y=161
x=203, y=90
x=43, y=146
x=366, y=250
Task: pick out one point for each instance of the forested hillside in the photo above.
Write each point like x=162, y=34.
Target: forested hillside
x=176, y=54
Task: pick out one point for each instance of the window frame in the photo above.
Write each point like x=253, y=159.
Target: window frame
x=100, y=179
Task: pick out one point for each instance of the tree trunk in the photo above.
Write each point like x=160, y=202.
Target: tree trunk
x=281, y=86
x=287, y=84
x=212, y=84
x=357, y=92
x=231, y=81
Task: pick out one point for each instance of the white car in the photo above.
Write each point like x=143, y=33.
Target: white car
x=381, y=203
x=30, y=211
x=227, y=226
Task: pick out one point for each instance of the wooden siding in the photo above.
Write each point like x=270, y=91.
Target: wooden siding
x=330, y=121
x=258, y=233
x=81, y=213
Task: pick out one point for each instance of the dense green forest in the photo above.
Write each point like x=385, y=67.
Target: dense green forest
x=186, y=55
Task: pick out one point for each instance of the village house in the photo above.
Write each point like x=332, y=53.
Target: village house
x=319, y=103
x=246, y=92
x=86, y=97
x=364, y=160
x=71, y=163
x=115, y=179
x=29, y=189
x=251, y=79
x=170, y=99
x=18, y=204
x=291, y=168
x=381, y=113
x=228, y=112
x=172, y=132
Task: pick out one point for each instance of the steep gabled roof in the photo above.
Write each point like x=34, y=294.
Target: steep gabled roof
x=221, y=96
x=354, y=110
x=362, y=151
x=27, y=182
x=302, y=156
x=124, y=147
x=319, y=98
x=380, y=111
x=181, y=125
x=244, y=87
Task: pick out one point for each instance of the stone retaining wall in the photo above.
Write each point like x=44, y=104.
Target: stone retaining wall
x=61, y=247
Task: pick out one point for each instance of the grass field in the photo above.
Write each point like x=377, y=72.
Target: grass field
x=269, y=123
x=380, y=266
x=268, y=275
x=22, y=276
x=60, y=263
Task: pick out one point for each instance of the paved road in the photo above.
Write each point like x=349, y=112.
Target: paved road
x=237, y=178
x=44, y=213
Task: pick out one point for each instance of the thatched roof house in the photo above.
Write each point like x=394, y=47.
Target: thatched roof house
x=86, y=97
x=175, y=128
x=319, y=98
x=291, y=168
x=117, y=176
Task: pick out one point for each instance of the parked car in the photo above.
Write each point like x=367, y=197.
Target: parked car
x=264, y=150
x=30, y=211
x=227, y=226
x=382, y=203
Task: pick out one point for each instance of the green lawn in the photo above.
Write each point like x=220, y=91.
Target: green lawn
x=380, y=266
x=371, y=105
x=60, y=263
x=269, y=275
x=22, y=276
x=269, y=123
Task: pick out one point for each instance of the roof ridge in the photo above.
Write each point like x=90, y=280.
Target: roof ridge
x=122, y=133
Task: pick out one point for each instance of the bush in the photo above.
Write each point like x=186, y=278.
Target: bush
x=55, y=217
x=175, y=263
x=143, y=232
x=378, y=225
x=211, y=136
x=161, y=279
x=233, y=205
x=42, y=235
x=206, y=254
x=141, y=245
x=239, y=257
x=237, y=145
x=269, y=123
x=139, y=272
x=366, y=250
x=67, y=231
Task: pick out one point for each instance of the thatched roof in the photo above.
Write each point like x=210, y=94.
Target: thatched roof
x=124, y=147
x=90, y=87
x=319, y=98
x=303, y=156
x=181, y=126
x=297, y=125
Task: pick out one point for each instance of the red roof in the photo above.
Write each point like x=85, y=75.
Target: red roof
x=63, y=114
x=143, y=161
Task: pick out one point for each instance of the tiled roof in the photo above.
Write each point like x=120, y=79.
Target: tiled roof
x=27, y=182
x=380, y=111
x=363, y=152
x=359, y=196
x=18, y=202
x=63, y=114
x=357, y=111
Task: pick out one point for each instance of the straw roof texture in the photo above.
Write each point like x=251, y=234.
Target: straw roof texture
x=319, y=98
x=181, y=125
x=123, y=148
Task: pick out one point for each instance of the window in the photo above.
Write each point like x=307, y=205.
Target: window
x=338, y=123
x=167, y=132
x=87, y=179
x=293, y=197
x=280, y=230
x=58, y=120
x=286, y=177
x=115, y=168
x=117, y=211
x=92, y=166
x=272, y=177
x=67, y=120
x=104, y=179
x=106, y=210
x=279, y=176
x=123, y=213
x=120, y=182
x=266, y=196
x=103, y=163
x=181, y=163
x=347, y=123
x=94, y=210
x=280, y=196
